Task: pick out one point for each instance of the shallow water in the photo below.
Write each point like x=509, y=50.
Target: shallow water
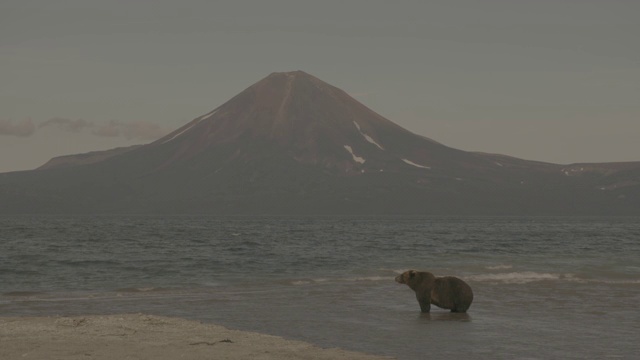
x=544, y=287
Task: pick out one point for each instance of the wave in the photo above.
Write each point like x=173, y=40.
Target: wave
x=525, y=277
x=520, y=277
x=82, y=262
x=338, y=280
x=499, y=267
x=369, y=278
x=23, y=293
x=302, y=282
x=139, y=289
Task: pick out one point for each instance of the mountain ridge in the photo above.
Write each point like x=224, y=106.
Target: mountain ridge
x=293, y=144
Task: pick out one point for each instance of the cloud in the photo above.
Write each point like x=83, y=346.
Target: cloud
x=133, y=130
x=112, y=129
x=23, y=128
x=67, y=124
x=141, y=130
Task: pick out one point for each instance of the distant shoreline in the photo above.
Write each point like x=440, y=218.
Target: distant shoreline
x=147, y=337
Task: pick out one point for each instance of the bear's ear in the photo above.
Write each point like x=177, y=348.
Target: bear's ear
x=412, y=273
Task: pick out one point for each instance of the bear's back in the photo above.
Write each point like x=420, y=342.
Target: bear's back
x=452, y=293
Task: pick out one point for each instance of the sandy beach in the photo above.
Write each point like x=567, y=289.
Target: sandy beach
x=138, y=336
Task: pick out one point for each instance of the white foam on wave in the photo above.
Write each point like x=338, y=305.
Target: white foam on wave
x=308, y=281
x=499, y=267
x=139, y=289
x=612, y=281
x=521, y=277
x=338, y=280
x=369, y=278
x=525, y=277
x=301, y=282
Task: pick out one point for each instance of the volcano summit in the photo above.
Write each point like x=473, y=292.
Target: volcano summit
x=293, y=144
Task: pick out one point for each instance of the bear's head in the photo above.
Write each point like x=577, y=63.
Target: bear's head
x=406, y=277
x=416, y=279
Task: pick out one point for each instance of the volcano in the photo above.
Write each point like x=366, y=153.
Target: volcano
x=293, y=144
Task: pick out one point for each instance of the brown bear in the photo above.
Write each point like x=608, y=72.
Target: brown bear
x=447, y=292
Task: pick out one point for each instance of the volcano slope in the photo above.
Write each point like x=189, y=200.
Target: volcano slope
x=293, y=144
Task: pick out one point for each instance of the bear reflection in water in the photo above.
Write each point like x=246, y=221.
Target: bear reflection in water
x=443, y=316
x=447, y=292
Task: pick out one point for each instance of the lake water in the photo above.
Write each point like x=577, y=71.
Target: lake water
x=544, y=287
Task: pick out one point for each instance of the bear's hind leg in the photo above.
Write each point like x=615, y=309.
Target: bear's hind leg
x=425, y=308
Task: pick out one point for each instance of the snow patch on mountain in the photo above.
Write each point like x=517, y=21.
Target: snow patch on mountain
x=356, y=158
x=180, y=133
x=206, y=116
x=367, y=137
x=194, y=123
x=414, y=164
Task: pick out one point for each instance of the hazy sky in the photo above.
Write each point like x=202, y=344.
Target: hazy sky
x=549, y=80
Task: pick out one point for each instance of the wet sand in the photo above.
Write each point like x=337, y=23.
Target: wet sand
x=137, y=336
